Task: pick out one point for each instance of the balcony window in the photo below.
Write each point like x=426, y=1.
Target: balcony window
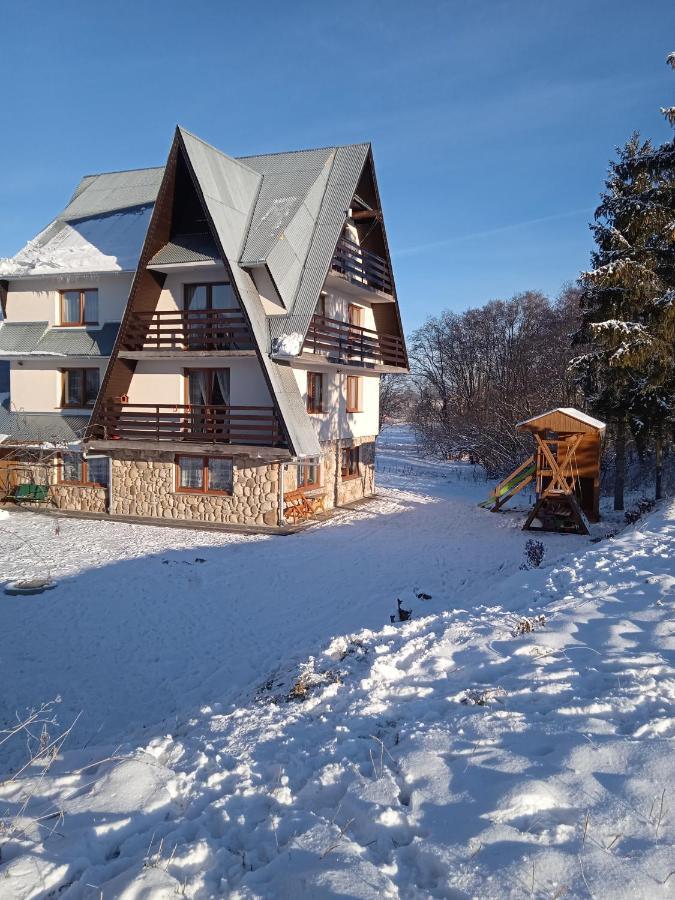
x=79, y=307
x=355, y=315
x=314, y=392
x=204, y=475
x=75, y=469
x=350, y=463
x=80, y=387
x=210, y=296
x=354, y=393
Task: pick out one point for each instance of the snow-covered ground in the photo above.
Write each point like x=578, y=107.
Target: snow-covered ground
x=248, y=723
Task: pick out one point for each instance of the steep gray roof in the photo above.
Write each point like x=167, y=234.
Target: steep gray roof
x=39, y=339
x=340, y=188
x=186, y=248
x=21, y=337
x=22, y=427
x=111, y=191
x=287, y=179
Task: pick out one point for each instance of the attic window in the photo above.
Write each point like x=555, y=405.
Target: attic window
x=79, y=307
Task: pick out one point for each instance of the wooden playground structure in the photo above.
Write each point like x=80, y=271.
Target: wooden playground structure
x=565, y=468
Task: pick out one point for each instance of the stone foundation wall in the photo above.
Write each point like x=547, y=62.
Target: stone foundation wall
x=144, y=484
x=356, y=488
x=80, y=499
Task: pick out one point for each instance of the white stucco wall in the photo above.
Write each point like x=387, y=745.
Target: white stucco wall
x=162, y=381
x=37, y=300
x=335, y=422
x=173, y=291
x=35, y=385
x=337, y=307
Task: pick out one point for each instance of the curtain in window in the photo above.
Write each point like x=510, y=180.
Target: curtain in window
x=221, y=387
x=195, y=296
x=198, y=387
x=191, y=472
x=73, y=387
x=91, y=307
x=91, y=383
x=220, y=474
x=71, y=306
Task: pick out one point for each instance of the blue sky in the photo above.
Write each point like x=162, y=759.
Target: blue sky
x=492, y=121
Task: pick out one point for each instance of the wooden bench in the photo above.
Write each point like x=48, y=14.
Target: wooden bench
x=299, y=507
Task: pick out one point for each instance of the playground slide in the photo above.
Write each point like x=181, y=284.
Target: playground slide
x=505, y=487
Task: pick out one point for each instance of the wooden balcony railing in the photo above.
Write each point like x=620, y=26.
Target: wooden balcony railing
x=206, y=424
x=353, y=344
x=362, y=267
x=188, y=329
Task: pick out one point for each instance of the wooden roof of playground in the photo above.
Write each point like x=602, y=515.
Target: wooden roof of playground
x=563, y=419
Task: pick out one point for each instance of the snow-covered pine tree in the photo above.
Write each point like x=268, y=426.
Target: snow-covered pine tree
x=614, y=293
x=654, y=401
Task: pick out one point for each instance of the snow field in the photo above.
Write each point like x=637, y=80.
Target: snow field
x=460, y=754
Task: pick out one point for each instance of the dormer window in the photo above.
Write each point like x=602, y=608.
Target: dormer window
x=79, y=307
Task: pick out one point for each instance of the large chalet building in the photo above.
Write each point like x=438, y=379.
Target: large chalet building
x=203, y=341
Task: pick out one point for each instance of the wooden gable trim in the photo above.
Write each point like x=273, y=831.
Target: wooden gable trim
x=379, y=310
x=145, y=290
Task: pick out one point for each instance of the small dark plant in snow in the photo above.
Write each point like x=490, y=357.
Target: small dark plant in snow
x=482, y=696
x=309, y=678
x=534, y=554
x=402, y=615
x=641, y=508
x=527, y=626
x=356, y=647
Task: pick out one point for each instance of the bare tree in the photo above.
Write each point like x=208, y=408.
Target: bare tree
x=479, y=372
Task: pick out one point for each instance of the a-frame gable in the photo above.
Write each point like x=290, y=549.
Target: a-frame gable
x=224, y=205
x=226, y=191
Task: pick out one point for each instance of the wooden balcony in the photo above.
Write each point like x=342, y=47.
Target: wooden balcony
x=188, y=329
x=362, y=268
x=353, y=344
x=245, y=425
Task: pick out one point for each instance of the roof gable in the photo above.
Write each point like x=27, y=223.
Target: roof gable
x=561, y=418
x=226, y=186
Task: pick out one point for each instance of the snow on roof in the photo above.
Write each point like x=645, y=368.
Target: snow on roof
x=567, y=411
x=105, y=243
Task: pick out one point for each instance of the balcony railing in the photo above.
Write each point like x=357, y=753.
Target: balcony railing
x=206, y=424
x=362, y=267
x=348, y=343
x=188, y=329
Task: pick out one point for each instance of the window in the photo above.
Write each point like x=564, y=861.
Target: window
x=350, y=462
x=204, y=475
x=80, y=387
x=210, y=324
x=75, y=469
x=79, y=307
x=355, y=315
x=321, y=305
x=309, y=476
x=353, y=393
x=210, y=296
x=314, y=392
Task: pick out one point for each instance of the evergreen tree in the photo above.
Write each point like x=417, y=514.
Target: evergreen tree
x=628, y=301
x=613, y=294
x=655, y=400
